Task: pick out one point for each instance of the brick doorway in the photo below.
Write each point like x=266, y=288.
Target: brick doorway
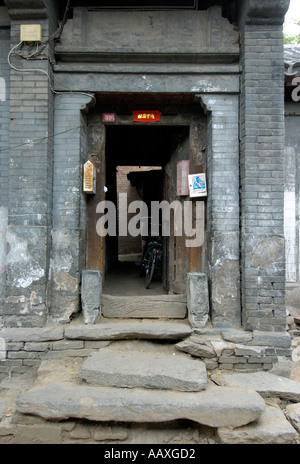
x=124, y=152
x=141, y=163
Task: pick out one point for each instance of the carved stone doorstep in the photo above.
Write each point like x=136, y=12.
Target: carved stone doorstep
x=91, y=296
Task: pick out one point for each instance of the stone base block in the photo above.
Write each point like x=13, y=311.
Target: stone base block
x=197, y=299
x=91, y=296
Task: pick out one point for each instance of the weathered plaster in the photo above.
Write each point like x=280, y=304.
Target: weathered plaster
x=22, y=268
x=3, y=251
x=265, y=252
x=62, y=259
x=64, y=275
x=157, y=33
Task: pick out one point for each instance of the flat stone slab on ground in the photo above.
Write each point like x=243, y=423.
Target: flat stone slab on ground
x=129, y=329
x=215, y=406
x=264, y=383
x=293, y=414
x=236, y=335
x=146, y=370
x=32, y=334
x=270, y=428
x=195, y=349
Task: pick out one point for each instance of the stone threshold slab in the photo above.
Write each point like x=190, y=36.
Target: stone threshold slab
x=215, y=406
x=32, y=334
x=146, y=370
x=129, y=329
x=153, y=306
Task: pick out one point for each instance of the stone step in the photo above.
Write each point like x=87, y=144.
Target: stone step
x=130, y=329
x=60, y=396
x=108, y=368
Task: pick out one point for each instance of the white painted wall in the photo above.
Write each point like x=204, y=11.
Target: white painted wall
x=290, y=235
x=2, y=89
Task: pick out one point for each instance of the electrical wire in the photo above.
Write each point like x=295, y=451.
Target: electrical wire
x=27, y=57
x=41, y=139
x=56, y=35
x=13, y=50
x=38, y=52
x=23, y=70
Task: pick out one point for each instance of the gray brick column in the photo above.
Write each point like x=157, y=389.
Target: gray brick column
x=4, y=157
x=30, y=179
x=262, y=166
x=68, y=232
x=4, y=115
x=223, y=208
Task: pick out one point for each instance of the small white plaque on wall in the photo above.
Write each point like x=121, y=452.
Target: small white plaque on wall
x=89, y=178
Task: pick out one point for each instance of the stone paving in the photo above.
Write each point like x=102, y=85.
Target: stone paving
x=130, y=381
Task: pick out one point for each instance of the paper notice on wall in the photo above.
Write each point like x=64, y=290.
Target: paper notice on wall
x=197, y=185
x=183, y=169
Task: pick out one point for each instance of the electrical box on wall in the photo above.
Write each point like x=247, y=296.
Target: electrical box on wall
x=31, y=33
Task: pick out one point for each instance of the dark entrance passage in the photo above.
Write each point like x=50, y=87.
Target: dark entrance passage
x=141, y=163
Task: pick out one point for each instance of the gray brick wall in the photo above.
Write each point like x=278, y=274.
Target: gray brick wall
x=223, y=208
x=4, y=158
x=40, y=221
x=30, y=188
x=31, y=107
x=4, y=115
x=68, y=232
x=262, y=177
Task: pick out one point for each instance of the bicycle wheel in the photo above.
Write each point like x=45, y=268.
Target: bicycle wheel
x=149, y=271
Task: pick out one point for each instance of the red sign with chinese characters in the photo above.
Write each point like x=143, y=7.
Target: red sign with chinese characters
x=108, y=117
x=146, y=116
